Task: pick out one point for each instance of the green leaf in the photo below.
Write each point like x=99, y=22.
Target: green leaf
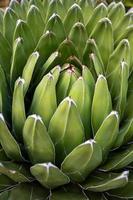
x=74, y=14
x=55, y=25
x=108, y=132
x=71, y=128
x=38, y=144
x=82, y=160
x=125, y=192
x=28, y=191
x=13, y=150
x=65, y=82
x=42, y=103
x=78, y=33
x=82, y=96
x=5, y=54
x=16, y=172
x=101, y=182
x=18, y=108
x=49, y=175
x=35, y=22
x=9, y=24
x=120, y=159
x=101, y=107
x=29, y=69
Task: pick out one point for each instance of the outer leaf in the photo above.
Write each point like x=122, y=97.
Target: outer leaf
x=49, y=175
x=119, y=159
x=108, y=132
x=65, y=195
x=101, y=182
x=29, y=191
x=70, y=130
x=125, y=192
x=15, y=172
x=12, y=150
x=38, y=144
x=18, y=108
x=82, y=161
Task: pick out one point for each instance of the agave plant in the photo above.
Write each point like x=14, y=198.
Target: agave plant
x=66, y=117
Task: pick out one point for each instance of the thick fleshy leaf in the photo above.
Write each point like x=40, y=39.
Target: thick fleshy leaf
x=64, y=194
x=35, y=22
x=51, y=62
x=92, y=58
x=5, y=183
x=71, y=128
x=78, y=33
x=99, y=12
x=65, y=82
x=82, y=160
x=82, y=96
x=13, y=150
x=124, y=23
x=22, y=30
x=9, y=24
x=29, y=69
x=119, y=159
x=4, y=95
x=45, y=47
x=28, y=191
x=125, y=134
x=14, y=171
x=101, y=182
x=87, y=7
x=37, y=141
x=55, y=6
x=42, y=103
x=101, y=105
x=5, y=54
x=55, y=25
x=1, y=20
x=121, y=52
x=41, y=5
x=73, y=15
x=17, y=63
x=125, y=192
x=49, y=175
x=116, y=14
x=18, y=108
x=104, y=40
x=67, y=49
x=108, y=132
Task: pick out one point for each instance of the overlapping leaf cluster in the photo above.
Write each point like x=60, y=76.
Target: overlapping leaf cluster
x=66, y=96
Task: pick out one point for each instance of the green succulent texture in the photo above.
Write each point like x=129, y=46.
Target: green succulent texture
x=66, y=101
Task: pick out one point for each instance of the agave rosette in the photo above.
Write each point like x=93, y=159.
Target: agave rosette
x=66, y=122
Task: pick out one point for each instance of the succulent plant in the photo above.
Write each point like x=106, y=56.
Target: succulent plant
x=66, y=101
